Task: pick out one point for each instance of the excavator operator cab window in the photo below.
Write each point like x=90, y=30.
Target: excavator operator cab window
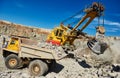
x=58, y=32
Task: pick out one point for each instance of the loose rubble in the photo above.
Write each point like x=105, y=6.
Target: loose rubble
x=68, y=68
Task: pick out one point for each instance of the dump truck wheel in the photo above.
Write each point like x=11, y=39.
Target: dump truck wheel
x=38, y=68
x=12, y=61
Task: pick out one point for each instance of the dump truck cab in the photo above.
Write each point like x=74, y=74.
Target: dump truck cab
x=13, y=44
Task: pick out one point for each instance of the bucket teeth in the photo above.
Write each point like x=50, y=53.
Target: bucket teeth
x=96, y=46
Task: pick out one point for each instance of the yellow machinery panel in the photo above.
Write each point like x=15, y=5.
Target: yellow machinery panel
x=57, y=36
x=13, y=44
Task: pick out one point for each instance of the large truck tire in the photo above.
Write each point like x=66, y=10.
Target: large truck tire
x=12, y=61
x=38, y=68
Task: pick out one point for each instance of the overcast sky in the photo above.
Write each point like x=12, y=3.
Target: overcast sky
x=49, y=13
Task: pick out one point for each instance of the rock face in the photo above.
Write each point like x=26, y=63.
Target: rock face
x=84, y=64
x=8, y=28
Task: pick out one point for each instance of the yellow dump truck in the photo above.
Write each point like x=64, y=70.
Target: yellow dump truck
x=21, y=51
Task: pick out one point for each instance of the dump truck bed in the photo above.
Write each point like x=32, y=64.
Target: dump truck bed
x=30, y=49
x=36, y=52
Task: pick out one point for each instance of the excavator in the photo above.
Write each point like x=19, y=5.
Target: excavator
x=66, y=35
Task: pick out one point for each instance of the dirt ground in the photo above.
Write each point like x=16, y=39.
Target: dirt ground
x=85, y=65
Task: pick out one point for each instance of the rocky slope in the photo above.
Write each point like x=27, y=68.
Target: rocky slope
x=8, y=28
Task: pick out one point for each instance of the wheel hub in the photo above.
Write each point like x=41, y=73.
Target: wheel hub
x=12, y=62
x=36, y=69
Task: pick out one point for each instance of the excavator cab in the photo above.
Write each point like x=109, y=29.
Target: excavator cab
x=57, y=36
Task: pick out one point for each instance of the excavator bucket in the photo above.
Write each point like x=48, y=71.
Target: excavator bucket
x=96, y=46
